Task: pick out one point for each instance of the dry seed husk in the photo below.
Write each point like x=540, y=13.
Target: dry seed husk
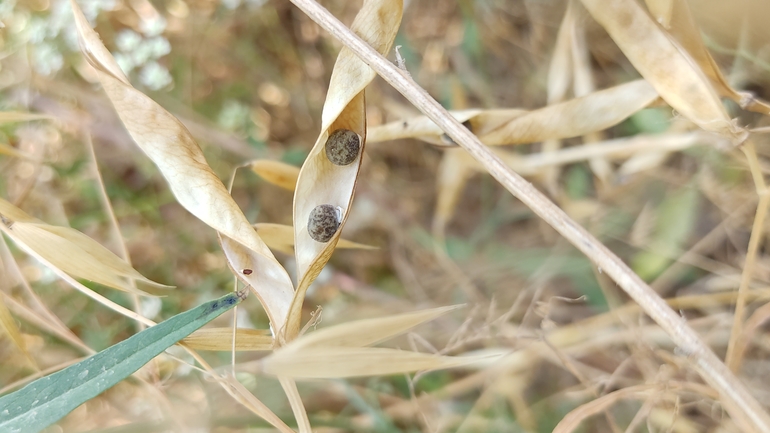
x=323, y=222
x=343, y=147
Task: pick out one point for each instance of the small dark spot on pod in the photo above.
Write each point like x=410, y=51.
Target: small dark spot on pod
x=447, y=139
x=247, y=271
x=323, y=222
x=342, y=147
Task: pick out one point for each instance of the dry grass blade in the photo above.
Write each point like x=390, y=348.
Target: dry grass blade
x=276, y=172
x=11, y=151
x=595, y=112
x=16, y=116
x=366, y=332
x=221, y=339
x=280, y=237
x=328, y=177
x=171, y=147
x=741, y=405
x=453, y=173
x=673, y=73
x=339, y=362
x=72, y=251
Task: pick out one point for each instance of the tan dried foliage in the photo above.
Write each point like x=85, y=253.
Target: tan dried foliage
x=665, y=64
x=276, y=172
x=675, y=16
x=70, y=251
x=179, y=158
x=595, y=112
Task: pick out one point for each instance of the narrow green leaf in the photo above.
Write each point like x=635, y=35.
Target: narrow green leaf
x=48, y=399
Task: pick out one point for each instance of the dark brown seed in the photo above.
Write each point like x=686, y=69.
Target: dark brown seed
x=342, y=147
x=247, y=271
x=323, y=222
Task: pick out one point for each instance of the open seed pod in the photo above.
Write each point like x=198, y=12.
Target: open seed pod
x=329, y=174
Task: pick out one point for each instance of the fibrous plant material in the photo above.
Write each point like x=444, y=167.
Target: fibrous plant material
x=742, y=406
x=323, y=222
x=343, y=147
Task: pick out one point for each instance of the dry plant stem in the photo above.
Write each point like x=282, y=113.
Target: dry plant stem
x=741, y=405
x=732, y=359
x=105, y=199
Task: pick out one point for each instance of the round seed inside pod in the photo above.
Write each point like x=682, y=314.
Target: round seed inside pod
x=323, y=222
x=342, y=147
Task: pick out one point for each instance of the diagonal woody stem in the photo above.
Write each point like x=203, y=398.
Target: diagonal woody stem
x=742, y=406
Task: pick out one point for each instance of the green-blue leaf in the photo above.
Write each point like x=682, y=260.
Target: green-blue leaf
x=48, y=399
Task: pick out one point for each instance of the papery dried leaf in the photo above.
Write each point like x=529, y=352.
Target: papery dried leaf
x=276, y=172
x=221, y=339
x=69, y=257
x=173, y=150
x=12, y=212
x=280, y=237
x=366, y=332
x=71, y=251
x=595, y=112
x=17, y=116
x=676, y=17
x=339, y=362
x=321, y=182
x=668, y=67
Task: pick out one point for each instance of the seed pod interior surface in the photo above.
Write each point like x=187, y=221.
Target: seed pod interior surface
x=323, y=222
x=343, y=147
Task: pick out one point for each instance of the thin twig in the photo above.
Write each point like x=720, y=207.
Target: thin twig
x=733, y=357
x=741, y=405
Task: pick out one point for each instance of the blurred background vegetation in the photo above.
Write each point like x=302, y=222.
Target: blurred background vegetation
x=249, y=78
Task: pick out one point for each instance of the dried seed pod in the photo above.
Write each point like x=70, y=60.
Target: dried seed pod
x=323, y=222
x=343, y=146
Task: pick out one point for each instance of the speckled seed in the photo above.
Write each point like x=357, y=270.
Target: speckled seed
x=323, y=222
x=342, y=147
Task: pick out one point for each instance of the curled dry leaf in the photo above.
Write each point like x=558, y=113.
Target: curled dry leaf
x=221, y=339
x=71, y=251
x=321, y=181
x=276, y=172
x=595, y=112
x=280, y=237
x=665, y=64
x=337, y=362
x=676, y=18
x=173, y=150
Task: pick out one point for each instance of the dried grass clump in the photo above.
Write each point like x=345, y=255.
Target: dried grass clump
x=650, y=157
